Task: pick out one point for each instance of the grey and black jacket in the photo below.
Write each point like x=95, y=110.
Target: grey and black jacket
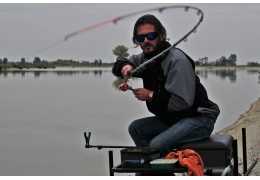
x=178, y=92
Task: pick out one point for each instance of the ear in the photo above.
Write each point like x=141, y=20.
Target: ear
x=162, y=36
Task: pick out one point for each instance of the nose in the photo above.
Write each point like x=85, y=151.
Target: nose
x=145, y=39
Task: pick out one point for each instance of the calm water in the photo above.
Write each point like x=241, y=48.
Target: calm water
x=43, y=116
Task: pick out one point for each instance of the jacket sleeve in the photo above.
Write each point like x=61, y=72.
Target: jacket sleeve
x=134, y=60
x=181, y=84
x=178, y=92
x=120, y=62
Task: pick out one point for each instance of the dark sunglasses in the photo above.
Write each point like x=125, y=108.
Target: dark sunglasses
x=149, y=36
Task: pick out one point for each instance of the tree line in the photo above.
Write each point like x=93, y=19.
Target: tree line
x=120, y=51
x=44, y=64
x=223, y=61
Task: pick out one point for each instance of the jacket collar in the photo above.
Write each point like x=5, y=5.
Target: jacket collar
x=161, y=47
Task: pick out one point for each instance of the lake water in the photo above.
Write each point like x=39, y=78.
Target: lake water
x=43, y=116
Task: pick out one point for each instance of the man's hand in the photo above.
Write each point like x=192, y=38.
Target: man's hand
x=123, y=87
x=143, y=94
x=126, y=70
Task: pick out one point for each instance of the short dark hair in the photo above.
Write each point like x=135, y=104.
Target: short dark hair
x=150, y=19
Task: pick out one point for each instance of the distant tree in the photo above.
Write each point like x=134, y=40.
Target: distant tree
x=202, y=61
x=121, y=51
x=36, y=60
x=85, y=63
x=222, y=61
x=97, y=62
x=23, y=61
x=253, y=64
x=232, y=59
x=1, y=61
x=5, y=60
x=100, y=62
x=206, y=60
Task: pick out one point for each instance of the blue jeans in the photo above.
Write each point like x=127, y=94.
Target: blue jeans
x=152, y=132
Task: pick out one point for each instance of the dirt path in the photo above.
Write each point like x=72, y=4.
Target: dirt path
x=251, y=121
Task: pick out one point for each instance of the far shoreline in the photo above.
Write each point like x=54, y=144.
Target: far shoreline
x=60, y=68
x=106, y=68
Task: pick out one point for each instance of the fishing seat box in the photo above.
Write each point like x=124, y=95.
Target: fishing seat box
x=217, y=151
x=138, y=156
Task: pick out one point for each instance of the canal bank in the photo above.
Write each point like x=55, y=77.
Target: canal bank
x=251, y=121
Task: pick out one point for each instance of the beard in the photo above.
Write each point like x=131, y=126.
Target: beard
x=151, y=50
x=148, y=48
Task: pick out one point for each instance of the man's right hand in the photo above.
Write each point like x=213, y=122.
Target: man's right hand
x=123, y=87
x=126, y=70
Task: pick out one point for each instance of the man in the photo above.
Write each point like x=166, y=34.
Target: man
x=172, y=92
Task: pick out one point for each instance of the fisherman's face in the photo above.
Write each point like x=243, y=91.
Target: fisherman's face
x=150, y=43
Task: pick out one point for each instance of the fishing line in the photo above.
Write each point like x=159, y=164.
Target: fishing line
x=117, y=19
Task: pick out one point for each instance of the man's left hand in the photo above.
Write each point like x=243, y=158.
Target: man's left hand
x=143, y=94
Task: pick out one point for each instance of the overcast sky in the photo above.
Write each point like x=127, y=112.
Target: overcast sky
x=26, y=29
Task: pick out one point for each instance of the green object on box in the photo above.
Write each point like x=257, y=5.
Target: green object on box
x=163, y=163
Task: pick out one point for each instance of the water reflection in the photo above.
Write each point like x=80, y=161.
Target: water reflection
x=223, y=74
x=253, y=72
x=37, y=74
x=230, y=74
x=72, y=106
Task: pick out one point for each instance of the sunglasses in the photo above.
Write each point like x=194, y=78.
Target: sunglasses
x=149, y=36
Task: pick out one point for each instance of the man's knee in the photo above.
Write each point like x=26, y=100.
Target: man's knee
x=138, y=125
x=132, y=128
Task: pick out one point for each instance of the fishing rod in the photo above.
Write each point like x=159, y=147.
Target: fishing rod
x=99, y=147
x=115, y=20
